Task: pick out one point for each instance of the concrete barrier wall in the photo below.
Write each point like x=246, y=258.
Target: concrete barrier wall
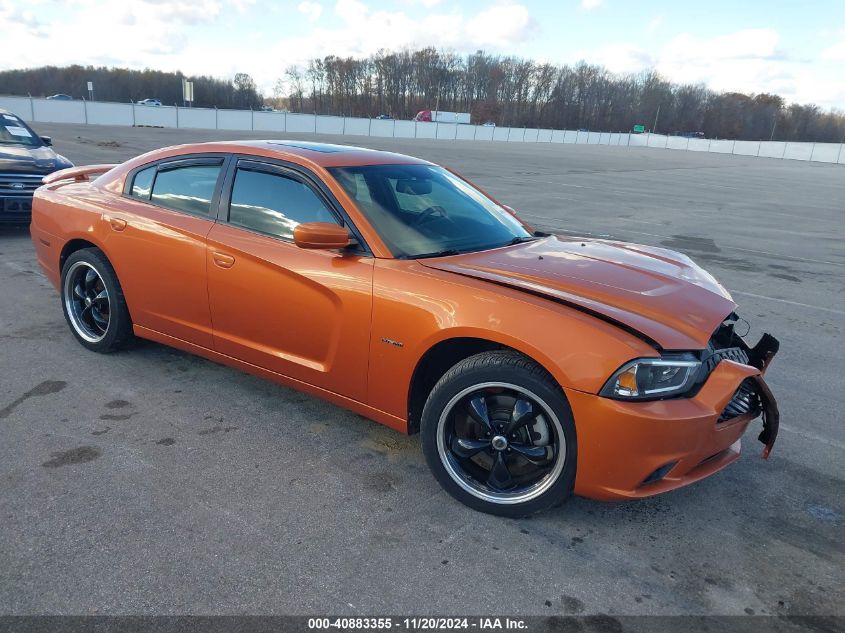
x=798, y=151
x=356, y=127
x=155, y=116
x=825, y=153
x=698, y=145
x=196, y=118
x=21, y=106
x=772, y=149
x=270, y=121
x=100, y=113
x=746, y=148
x=404, y=129
x=382, y=127
x=329, y=124
x=677, y=142
x=721, y=147
x=446, y=131
x=638, y=140
x=483, y=133
x=426, y=130
x=516, y=135
x=465, y=132
x=58, y=111
x=234, y=119
x=297, y=122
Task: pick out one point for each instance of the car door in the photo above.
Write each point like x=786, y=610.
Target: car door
x=159, y=237
x=301, y=313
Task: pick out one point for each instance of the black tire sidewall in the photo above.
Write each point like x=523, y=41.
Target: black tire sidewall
x=120, y=324
x=524, y=373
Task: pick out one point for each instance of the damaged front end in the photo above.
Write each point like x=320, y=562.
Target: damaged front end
x=753, y=396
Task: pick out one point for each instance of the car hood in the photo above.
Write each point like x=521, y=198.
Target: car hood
x=30, y=160
x=659, y=293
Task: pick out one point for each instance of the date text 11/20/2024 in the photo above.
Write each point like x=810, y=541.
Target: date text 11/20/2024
x=417, y=624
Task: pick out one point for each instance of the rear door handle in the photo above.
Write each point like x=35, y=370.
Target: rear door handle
x=223, y=260
x=118, y=224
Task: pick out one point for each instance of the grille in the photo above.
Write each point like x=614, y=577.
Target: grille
x=19, y=184
x=735, y=354
x=745, y=400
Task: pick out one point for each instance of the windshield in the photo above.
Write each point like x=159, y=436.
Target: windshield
x=424, y=211
x=13, y=131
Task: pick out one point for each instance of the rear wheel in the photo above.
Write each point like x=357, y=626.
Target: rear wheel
x=93, y=302
x=498, y=435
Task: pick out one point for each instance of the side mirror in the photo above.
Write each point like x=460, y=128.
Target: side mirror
x=48, y=140
x=321, y=235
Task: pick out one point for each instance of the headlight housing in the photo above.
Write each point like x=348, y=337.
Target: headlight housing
x=652, y=378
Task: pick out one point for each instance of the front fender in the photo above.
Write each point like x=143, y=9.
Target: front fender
x=416, y=308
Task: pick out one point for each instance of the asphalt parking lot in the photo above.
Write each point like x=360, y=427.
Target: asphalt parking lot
x=154, y=482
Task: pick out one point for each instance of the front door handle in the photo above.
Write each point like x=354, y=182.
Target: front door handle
x=118, y=224
x=223, y=260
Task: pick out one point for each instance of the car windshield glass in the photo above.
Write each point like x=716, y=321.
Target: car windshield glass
x=13, y=131
x=424, y=210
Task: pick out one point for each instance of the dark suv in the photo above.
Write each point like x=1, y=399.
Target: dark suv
x=25, y=158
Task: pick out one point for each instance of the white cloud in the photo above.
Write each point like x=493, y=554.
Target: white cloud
x=312, y=10
x=835, y=52
x=13, y=17
x=654, y=24
x=749, y=61
x=501, y=23
x=428, y=4
x=620, y=58
x=589, y=5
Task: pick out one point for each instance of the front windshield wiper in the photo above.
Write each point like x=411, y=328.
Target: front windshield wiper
x=520, y=240
x=443, y=253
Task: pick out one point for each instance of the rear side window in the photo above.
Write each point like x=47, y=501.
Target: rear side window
x=189, y=188
x=274, y=204
x=142, y=185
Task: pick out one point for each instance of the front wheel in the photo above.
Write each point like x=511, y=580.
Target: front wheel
x=498, y=435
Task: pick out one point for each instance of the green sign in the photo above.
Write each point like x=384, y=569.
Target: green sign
x=639, y=129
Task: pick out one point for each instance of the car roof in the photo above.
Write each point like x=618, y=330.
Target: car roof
x=322, y=154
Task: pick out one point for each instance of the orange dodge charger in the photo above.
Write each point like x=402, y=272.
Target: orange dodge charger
x=532, y=365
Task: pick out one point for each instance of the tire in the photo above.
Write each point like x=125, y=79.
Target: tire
x=465, y=453
x=93, y=302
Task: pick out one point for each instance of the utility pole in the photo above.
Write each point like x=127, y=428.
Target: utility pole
x=774, y=125
x=654, y=127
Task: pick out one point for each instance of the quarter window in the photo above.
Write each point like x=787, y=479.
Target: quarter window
x=142, y=185
x=188, y=188
x=274, y=204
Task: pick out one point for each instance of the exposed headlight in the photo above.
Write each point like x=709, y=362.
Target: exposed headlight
x=652, y=378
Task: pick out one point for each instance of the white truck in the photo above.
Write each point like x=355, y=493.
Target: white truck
x=440, y=116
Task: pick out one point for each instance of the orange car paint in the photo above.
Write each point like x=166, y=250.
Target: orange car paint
x=352, y=329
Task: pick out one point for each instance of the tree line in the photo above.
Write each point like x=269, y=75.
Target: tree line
x=506, y=90
x=519, y=92
x=124, y=85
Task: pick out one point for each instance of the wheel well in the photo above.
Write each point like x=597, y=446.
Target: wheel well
x=436, y=362
x=70, y=248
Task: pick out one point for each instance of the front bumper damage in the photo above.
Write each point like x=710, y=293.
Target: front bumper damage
x=639, y=449
x=760, y=356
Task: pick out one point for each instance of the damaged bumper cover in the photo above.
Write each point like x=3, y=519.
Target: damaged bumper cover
x=760, y=356
x=639, y=449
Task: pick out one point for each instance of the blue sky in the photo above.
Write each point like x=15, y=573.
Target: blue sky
x=794, y=48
